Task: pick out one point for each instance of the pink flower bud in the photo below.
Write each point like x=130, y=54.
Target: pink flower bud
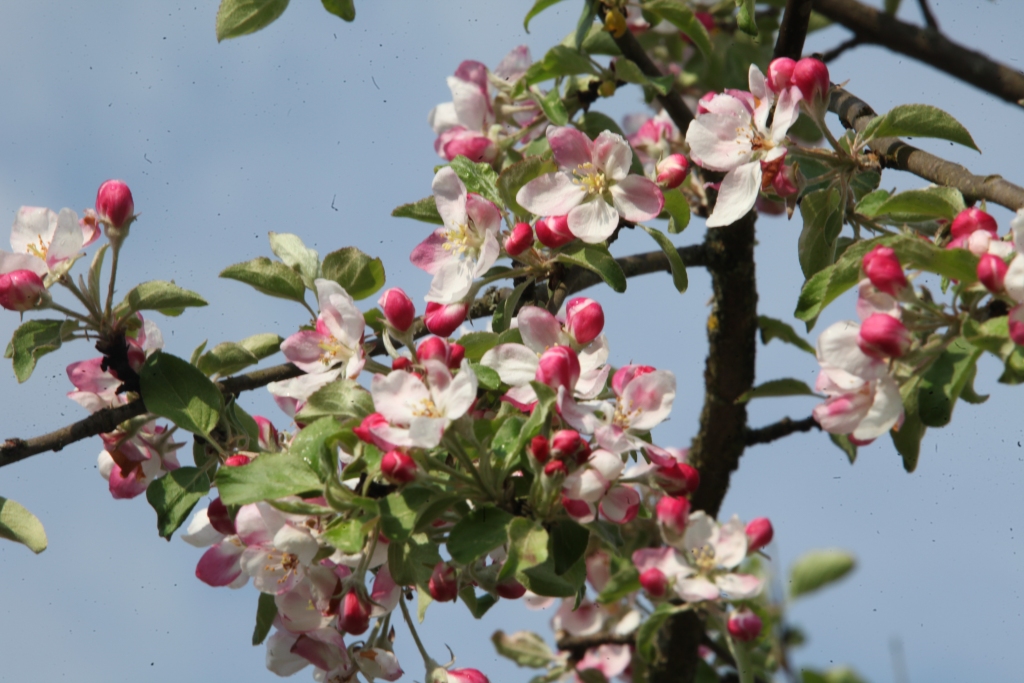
x=365, y=429
x=884, y=270
x=883, y=336
x=20, y=290
x=114, y=203
x=785, y=183
x=678, y=478
x=433, y=348
x=565, y=443
x=970, y=220
x=672, y=171
x=458, y=141
x=220, y=518
x=355, y=614
x=519, y=240
x=397, y=467
x=1016, y=323
x=673, y=513
x=992, y=272
x=269, y=439
x=510, y=589
x=780, y=74
x=468, y=675
x=398, y=308
x=584, y=319
x=456, y=354
x=654, y=582
x=626, y=374
x=577, y=509
x=401, y=363
x=539, y=449
x=559, y=367
x=811, y=76
x=443, y=319
x=555, y=467
x=443, y=584
x=553, y=231
x=237, y=461
x=759, y=534
x=744, y=625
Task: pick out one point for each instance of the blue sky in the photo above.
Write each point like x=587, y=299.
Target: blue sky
x=319, y=127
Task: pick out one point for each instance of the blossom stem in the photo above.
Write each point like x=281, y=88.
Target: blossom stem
x=69, y=284
x=439, y=464
x=69, y=313
x=427, y=661
x=115, y=249
x=455, y=449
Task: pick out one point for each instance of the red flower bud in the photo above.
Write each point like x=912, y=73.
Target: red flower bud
x=220, y=518
x=884, y=270
x=364, y=430
x=555, y=466
x=401, y=363
x=20, y=290
x=654, y=582
x=759, y=534
x=114, y=203
x=811, y=76
x=1016, y=323
x=355, y=614
x=672, y=171
x=539, y=449
x=456, y=352
x=467, y=675
x=678, y=478
x=584, y=318
x=559, y=367
x=970, y=220
x=397, y=467
x=992, y=272
x=510, y=589
x=565, y=443
x=398, y=308
x=443, y=319
x=553, y=231
x=780, y=74
x=433, y=348
x=443, y=584
x=237, y=461
x=883, y=336
x=673, y=513
x=744, y=625
x=269, y=439
x=519, y=240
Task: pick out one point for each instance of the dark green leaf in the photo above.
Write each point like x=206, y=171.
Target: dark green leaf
x=910, y=206
x=823, y=288
x=341, y=398
x=412, y=561
x=423, y=210
x=595, y=258
x=316, y=445
x=776, y=329
x=843, y=443
x=398, y=511
x=478, y=533
x=568, y=543
x=239, y=17
x=478, y=605
x=181, y=393
x=479, y=178
x=678, y=209
x=158, y=295
x=174, y=495
x=823, y=221
x=778, y=387
x=31, y=341
x=907, y=439
x=956, y=264
x=675, y=261
x=269, y=277
x=586, y=21
x=359, y=274
x=944, y=380
x=21, y=526
x=271, y=475
x=919, y=120
x=817, y=569
x=478, y=343
x=543, y=580
x=486, y=377
x=346, y=9
x=266, y=611
x=623, y=581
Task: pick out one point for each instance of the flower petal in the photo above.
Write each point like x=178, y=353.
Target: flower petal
x=593, y=221
x=552, y=194
x=737, y=195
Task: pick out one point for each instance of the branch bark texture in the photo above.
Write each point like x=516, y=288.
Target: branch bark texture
x=793, y=29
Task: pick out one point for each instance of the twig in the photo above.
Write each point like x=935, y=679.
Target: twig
x=793, y=30
x=780, y=429
x=929, y=18
x=842, y=47
x=854, y=113
x=928, y=46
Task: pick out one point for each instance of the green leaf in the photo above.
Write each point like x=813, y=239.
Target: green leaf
x=226, y=358
x=266, y=611
x=96, y=272
x=239, y=17
x=817, y=569
x=359, y=274
x=843, y=443
x=745, y=18
x=297, y=256
x=478, y=605
x=174, y=495
x=538, y=7
x=271, y=475
x=479, y=178
x=647, y=635
x=486, y=377
x=907, y=439
x=627, y=70
x=568, y=543
x=909, y=206
x=502, y=319
x=778, y=387
x=678, y=209
x=398, y=511
x=412, y=561
x=827, y=284
x=346, y=535
x=559, y=61
x=553, y=108
x=316, y=444
x=823, y=221
x=157, y=295
x=524, y=648
x=681, y=16
x=181, y=393
x=346, y=9
x=623, y=581
x=341, y=398
x=514, y=177
x=919, y=120
x=543, y=580
x=269, y=277
x=956, y=264
x=527, y=547
x=21, y=526
x=538, y=418
x=423, y=210
x=675, y=261
x=478, y=343
x=943, y=381
x=595, y=258
x=776, y=329
x=478, y=533
x=31, y=341
x=586, y=21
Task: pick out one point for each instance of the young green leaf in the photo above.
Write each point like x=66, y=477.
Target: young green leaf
x=817, y=569
x=823, y=221
x=675, y=261
x=595, y=258
x=778, y=387
x=297, y=256
x=919, y=120
x=478, y=177
x=342, y=398
x=271, y=475
x=157, y=295
x=943, y=381
x=527, y=547
x=682, y=17
x=776, y=329
x=346, y=9
x=422, y=210
x=359, y=274
x=266, y=611
x=32, y=340
x=272, y=278
x=21, y=526
x=538, y=7
x=478, y=533
x=181, y=393
x=678, y=210
x=524, y=648
x=239, y=17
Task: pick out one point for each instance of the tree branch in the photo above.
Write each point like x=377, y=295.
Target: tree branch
x=842, y=47
x=929, y=18
x=854, y=113
x=793, y=30
x=780, y=429
x=107, y=420
x=928, y=46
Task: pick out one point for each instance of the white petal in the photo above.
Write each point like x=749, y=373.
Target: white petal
x=514, y=363
x=552, y=194
x=450, y=197
x=593, y=221
x=737, y=195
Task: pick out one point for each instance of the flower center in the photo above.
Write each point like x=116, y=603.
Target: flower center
x=704, y=559
x=40, y=250
x=459, y=239
x=333, y=350
x=590, y=179
x=427, y=408
x=624, y=415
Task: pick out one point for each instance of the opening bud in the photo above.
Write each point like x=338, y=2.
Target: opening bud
x=678, y=478
x=992, y=272
x=355, y=614
x=510, y=589
x=654, y=582
x=673, y=513
x=626, y=374
x=744, y=625
x=883, y=336
x=269, y=439
x=468, y=675
x=398, y=308
x=553, y=231
x=672, y=171
x=554, y=467
x=401, y=363
x=21, y=290
x=443, y=319
x=220, y=518
x=971, y=220
x=539, y=449
x=559, y=367
x=365, y=429
x=397, y=467
x=114, y=203
x=884, y=270
x=443, y=584
x=811, y=76
x=759, y=534
x=519, y=240
x=584, y=318
x=237, y=460
x=565, y=443
x=780, y=74
x=433, y=348
x=456, y=354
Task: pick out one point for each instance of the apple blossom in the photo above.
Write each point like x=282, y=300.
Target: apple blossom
x=519, y=240
x=290, y=395
x=970, y=220
x=114, y=204
x=131, y=461
x=44, y=241
x=433, y=348
x=462, y=124
x=539, y=448
x=558, y=367
x=744, y=625
x=655, y=139
x=611, y=660
x=354, y=617
x=671, y=171
x=338, y=337
x=672, y=513
x=592, y=187
x=21, y=290
x=734, y=136
x=713, y=551
x=279, y=547
x=585, y=619
x=584, y=319
x=780, y=74
x=220, y=565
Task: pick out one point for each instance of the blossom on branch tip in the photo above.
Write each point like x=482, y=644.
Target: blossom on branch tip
x=337, y=339
x=114, y=204
x=418, y=410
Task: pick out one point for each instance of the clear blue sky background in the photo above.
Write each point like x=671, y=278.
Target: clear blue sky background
x=223, y=143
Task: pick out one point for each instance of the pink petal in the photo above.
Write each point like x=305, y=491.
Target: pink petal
x=430, y=254
x=552, y=194
x=450, y=197
x=219, y=565
x=540, y=330
x=612, y=155
x=571, y=149
x=637, y=199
